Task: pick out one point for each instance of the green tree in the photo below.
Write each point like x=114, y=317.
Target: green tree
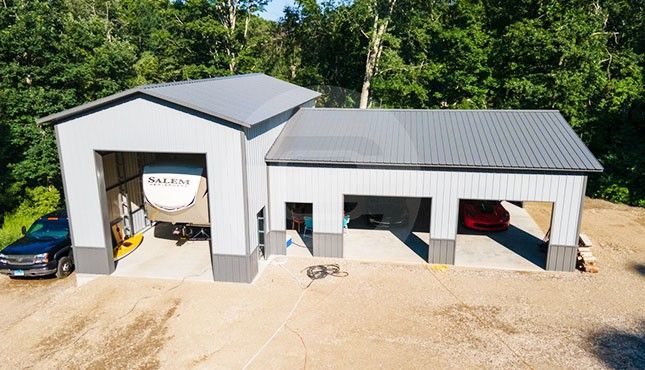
x=584, y=58
x=53, y=55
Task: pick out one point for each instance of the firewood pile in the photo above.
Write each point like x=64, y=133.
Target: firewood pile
x=586, y=261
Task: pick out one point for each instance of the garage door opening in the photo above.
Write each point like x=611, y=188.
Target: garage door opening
x=499, y=234
x=394, y=229
x=299, y=223
x=169, y=214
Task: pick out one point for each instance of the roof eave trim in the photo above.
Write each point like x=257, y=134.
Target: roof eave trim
x=54, y=117
x=60, y=116
x=429, y=166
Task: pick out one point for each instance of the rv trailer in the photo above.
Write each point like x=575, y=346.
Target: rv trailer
x=177, y=192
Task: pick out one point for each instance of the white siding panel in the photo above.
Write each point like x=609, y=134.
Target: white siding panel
x=325, y=187
x=259, y=140
x=143, y=126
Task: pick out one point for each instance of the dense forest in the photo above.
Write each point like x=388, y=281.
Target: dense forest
x=585, y=58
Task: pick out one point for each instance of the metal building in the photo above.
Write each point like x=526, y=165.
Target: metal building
x=265, y=145
x=232, y=121
x=324, y=155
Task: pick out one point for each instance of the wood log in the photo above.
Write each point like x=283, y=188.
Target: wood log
x=592, y=269
x=586, y=240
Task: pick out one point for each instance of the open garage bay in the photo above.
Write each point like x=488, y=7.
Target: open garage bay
x=162, y=256
x=514, y=249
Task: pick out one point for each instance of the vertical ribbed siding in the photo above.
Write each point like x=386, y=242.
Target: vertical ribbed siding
x=235, y=269
x=258, y=141
x=328, y=245
x=561, y=257
x=91, y=260
x=325, y=187
x=441, y=251
x=143, y=126
x=276, y=243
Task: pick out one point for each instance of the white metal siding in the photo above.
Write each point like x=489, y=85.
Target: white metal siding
x=143, y=126
x=325, y=187
x=260, y=139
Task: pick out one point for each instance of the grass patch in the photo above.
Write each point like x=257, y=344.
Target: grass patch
x=38, y=202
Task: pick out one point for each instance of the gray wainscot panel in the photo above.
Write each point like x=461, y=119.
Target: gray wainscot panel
x=441, y=251
x=234, y=268
x=561, y=258
x=328, y=245
x=276, y=243
x=92, y=260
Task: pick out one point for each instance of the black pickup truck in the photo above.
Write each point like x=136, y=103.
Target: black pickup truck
x=45, y=249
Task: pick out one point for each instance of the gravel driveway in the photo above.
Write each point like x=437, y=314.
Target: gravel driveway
x=371, y=315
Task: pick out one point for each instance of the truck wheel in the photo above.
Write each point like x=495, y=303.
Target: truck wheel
x=65, y=267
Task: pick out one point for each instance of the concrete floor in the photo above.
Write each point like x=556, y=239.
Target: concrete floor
x=160, y=257
x=513, y=249
x=370, y=245
x=396, y=245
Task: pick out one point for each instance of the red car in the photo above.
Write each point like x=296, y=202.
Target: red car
x=484, y=215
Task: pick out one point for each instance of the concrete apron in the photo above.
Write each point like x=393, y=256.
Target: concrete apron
x=162, y=257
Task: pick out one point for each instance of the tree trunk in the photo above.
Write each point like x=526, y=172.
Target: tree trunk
x=246, y=26
x=231, y=22
x=374, y=51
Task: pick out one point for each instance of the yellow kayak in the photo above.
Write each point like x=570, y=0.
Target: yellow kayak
x=128, y=246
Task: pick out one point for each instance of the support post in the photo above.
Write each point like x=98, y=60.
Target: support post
x=443, y=230
x=565, y=226
x=328, y=228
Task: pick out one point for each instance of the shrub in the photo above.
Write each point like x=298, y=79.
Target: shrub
x=615, y=193
x=38, y=201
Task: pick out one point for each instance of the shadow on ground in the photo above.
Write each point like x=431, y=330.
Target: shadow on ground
x=416, y=244
x=640, y=268
x=619, y=349
x=307, y=240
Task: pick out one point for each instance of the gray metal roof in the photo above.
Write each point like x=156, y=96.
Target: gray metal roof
x=243, y=99
x=534, y=140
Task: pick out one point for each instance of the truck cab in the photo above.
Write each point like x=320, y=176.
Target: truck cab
x=45, y=249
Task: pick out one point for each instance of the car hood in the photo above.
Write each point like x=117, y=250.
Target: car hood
x=31, y=246
x=495, y=215
x=488, y=216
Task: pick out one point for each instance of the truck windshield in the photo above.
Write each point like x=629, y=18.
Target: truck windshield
x=43, y=229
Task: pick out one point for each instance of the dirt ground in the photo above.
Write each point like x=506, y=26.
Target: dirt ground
x=377, y=316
